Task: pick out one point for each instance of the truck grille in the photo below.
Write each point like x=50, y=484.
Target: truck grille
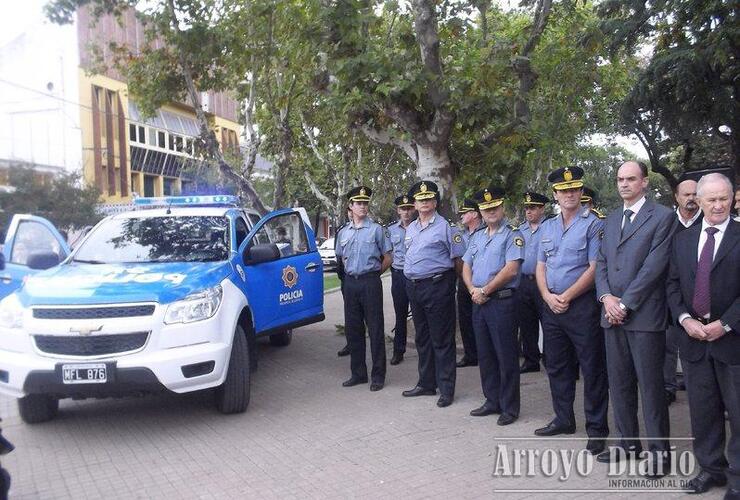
x=95, y=345
x=93, y=312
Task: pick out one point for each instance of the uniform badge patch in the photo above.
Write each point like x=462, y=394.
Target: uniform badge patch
x=457, y=238
x=519, y=241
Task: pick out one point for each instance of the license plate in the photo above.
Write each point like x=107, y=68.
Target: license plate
x=88, y=373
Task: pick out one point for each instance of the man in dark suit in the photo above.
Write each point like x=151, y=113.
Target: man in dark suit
x=630, y=276
x=703, y=290
x=687, y=215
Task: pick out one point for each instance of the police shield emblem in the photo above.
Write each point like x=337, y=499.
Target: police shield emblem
x=290, y=276
x=568, y=175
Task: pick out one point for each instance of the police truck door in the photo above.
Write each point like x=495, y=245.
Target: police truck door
x=31, y=244
x=285, y=291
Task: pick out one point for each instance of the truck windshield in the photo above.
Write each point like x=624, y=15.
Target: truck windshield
x=158, y=239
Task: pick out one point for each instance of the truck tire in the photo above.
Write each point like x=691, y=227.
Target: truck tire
x=281, y=339
x=37, y=408
x=233, y=395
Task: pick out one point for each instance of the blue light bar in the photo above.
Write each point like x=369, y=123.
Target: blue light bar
x=219, y=200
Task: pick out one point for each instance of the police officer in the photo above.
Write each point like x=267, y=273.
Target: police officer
x=491, y=275
x=344, y=351
x=471, y=220
x=529, y=300
x=365, y=249
x=433, y=251
x=566, y=266
x=588, y=198
x=406, y=213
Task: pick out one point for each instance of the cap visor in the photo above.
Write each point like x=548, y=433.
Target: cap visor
x=533, y=204
x=490, y=204
x=559, y=186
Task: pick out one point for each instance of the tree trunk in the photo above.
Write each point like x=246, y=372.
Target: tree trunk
x=434, y=164
x=282, y=167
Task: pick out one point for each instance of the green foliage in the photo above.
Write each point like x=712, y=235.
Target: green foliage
x=59, y=199
x=685, y=95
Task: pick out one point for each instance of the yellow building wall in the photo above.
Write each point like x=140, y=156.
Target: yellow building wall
x=88, y=154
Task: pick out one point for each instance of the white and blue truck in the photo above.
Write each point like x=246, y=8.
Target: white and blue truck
x=170, y=296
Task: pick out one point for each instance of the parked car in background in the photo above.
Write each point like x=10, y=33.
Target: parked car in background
x=328, y=255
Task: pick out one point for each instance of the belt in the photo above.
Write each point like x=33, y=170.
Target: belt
x=429, y=278
x=369, y=274
x=530, y=277
x=394, y=270
x=504, y=293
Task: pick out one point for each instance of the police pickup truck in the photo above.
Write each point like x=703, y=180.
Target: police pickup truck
x=170, y=296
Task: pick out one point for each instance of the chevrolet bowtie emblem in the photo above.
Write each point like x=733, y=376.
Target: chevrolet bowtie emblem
x=85, y=331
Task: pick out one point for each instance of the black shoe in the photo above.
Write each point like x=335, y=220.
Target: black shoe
x=465, y=361
x=553, y=429
x=444, y=401
x=376, y=386
x=670, y=397
x=732, y=494
x=397, y=358
x=419, y=391
x=506, y=419
x=526, y=368
x=354, y=381
x=617, y=454
x=484, y=410
x=343, y=352
x=596, y=445
x=705, y=481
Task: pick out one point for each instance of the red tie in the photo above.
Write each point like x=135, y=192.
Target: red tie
x=703, y=270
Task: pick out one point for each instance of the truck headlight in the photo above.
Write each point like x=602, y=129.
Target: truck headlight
x=11, y=312
x=195, y=307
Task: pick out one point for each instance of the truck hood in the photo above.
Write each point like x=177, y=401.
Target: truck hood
x=79, y=283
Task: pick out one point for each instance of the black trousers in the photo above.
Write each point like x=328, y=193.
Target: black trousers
x=572, y=338
x=498, y=356
x=465, y=320
x=635, y=360
x=528, y=313
x=401, y=308
x=433, y=308
x=670, y=365
x=363, y=304
x=713, y=387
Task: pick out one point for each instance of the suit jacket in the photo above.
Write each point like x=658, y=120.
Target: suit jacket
x=724, y=291
x=680, y=227
x=633, y=266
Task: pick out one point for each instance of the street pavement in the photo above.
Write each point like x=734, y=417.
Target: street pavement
x=305, y=436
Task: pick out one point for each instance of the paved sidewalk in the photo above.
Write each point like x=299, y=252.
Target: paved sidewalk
x=304, y=436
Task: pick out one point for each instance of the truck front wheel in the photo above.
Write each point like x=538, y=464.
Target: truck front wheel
x=37, y=408
x=233, y=395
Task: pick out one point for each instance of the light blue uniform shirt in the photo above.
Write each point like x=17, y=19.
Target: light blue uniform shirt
x=531, y=246
x=467, y=234
x=487, y=255
x=567, y=252
x=431, y=250
x=362, y=248
x=398, y=234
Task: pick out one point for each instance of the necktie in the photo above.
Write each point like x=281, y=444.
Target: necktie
x=627, y=221
x=703, y=270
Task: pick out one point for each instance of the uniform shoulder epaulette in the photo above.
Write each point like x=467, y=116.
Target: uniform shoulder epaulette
x=597, y=213
x=452, y=222
x=513, y=227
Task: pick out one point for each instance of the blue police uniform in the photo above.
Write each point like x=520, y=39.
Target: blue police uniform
x=464, y=301
x=574, y=337
x=361, y=249
x=398, y=289
x=431, y=250
x=494, y=321
x=529, y=300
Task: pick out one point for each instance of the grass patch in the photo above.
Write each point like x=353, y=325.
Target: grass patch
x=331, y=281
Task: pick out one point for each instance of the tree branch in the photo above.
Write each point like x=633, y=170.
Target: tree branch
x=427, y=36
x=384, y=137
x=328, y=204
